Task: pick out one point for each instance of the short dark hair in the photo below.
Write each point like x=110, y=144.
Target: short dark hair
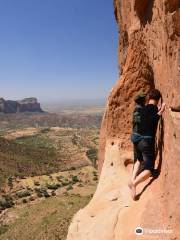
x=140, y=101
x=154, y=94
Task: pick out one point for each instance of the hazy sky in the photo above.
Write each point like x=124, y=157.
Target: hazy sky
x=57, y=49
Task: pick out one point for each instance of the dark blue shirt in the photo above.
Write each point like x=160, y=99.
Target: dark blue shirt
x=150, y=120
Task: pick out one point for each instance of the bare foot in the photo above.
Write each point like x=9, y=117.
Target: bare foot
x=133, y=190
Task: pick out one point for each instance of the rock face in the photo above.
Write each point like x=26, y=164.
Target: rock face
x=25, y=105
x=149, y=56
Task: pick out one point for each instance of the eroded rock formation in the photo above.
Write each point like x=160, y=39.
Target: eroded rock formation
x=149, y=56
x=25, y=105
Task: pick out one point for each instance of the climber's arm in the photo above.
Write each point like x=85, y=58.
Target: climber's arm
x=162, y=109
x=155, y=116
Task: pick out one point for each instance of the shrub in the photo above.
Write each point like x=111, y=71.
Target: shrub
x=46, y=194
x=53, y=186
x=59, y=178
x=70, y=187
x=24, y=193
x=42, y=192
x=3, y=229
x=75, y=179
x=95, y=178
x=92, y=155
x=75, y=139
x=24, y=200
x=72, y=168
x=45, y=130
x=65, y=183
x=6, y=202
x=2, y=204
x=10, y=182
x=36, y=183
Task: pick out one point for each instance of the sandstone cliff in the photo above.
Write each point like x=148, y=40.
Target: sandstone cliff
x=149, y=56
x=25, y=105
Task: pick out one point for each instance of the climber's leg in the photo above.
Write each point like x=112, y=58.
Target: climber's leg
x=138, y=159
x=134, y=173
x=135, y=170
x=147, y=149
x=142, y=177
x=133, y=190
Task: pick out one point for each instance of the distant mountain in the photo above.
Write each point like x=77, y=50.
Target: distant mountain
x=25, y=105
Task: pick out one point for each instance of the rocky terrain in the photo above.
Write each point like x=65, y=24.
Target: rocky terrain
x=25, y=105
x=149, y=33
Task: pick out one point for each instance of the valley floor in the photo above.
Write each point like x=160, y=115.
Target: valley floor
x=47, y=175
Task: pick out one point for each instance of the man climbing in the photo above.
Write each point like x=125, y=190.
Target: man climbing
x=143, y=138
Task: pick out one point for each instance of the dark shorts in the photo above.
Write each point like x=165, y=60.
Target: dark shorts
x=144, y=151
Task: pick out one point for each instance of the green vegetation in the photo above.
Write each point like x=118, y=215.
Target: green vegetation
x=92, y=155
x=72, y=168
x=3, y=229
x=75, y=139
x=70, y=187
x=75, y=179
x=95, y=178
x=42, y=192
x=36, y=141
x=24, y=200
x=65, y=183
x=45, y=130
x=10, y=182
x=22, y=194
x=45, y=170
x=47, y=185
x=53, y=186
x=59, y=178
x=23, y=157
x=36, y=183
x=51, y=222
x=45, y=152
x=6, y=202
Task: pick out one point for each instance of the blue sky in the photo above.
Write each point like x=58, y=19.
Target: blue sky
x=57, y=49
